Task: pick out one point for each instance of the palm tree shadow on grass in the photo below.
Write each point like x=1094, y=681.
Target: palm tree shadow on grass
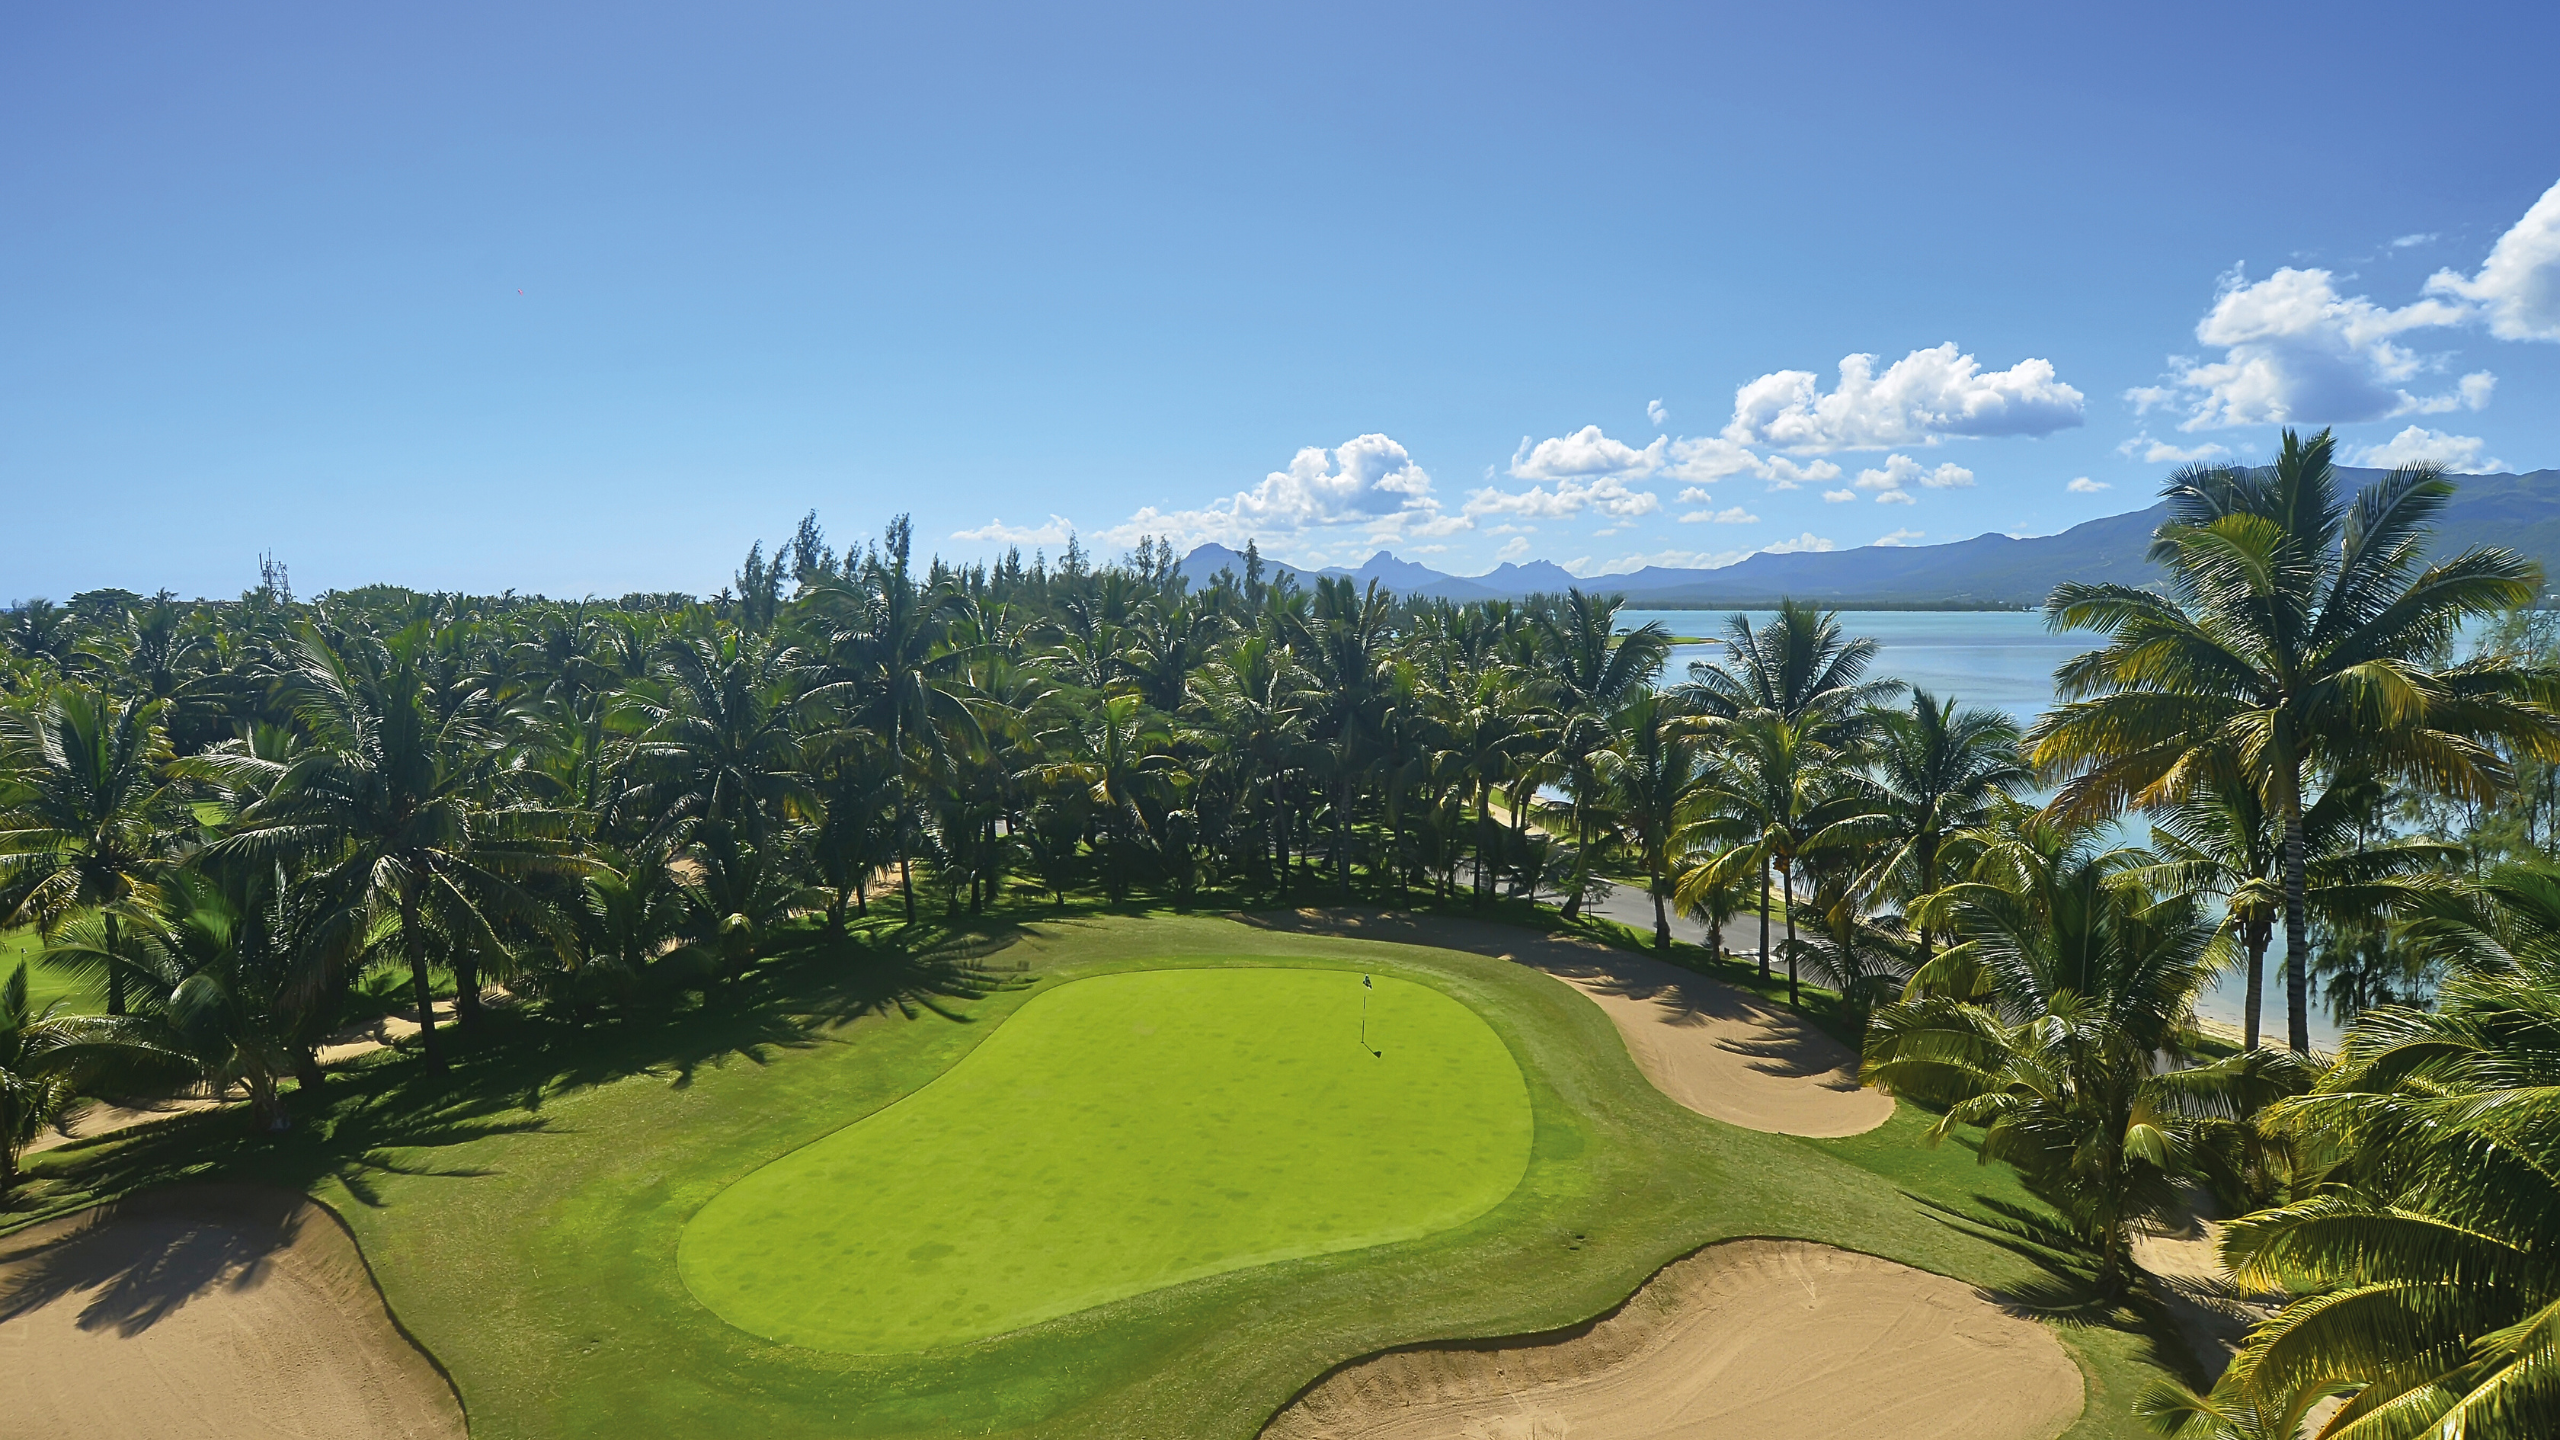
x=388, y=1114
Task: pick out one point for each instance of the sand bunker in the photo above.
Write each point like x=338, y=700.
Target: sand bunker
x=210, y=1310
x=1770, y=1339
x=1718, y=1050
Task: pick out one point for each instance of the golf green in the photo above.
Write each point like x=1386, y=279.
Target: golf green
x=1120, y=1134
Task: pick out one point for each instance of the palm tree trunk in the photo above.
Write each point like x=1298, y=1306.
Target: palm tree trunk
x=466, y=991
x=115, y=968
x=2254, y=934
x=2297, y=941
x=1581, y=863
x=419, y=986
x=1661, y=918
x=1764, y=915
x=1787, y=876
x=1342, y=836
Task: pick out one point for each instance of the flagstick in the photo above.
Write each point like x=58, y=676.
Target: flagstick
x=1364, y=1015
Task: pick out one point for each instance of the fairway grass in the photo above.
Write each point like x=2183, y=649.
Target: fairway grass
x=1119, y=1135
x=524, y=1214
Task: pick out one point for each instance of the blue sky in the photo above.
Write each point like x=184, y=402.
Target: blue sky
x=586, y=300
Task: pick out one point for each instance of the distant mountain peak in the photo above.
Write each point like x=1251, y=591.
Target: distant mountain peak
x=2521, y=512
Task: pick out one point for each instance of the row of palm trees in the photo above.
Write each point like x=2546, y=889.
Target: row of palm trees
x=229, y=815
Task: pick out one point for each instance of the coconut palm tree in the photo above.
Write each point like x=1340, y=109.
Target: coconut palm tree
x=722, y=746
x=2221, y=841
x=1349, y=651
x=2045, y=1026
x=87, y=814
x=886, y=665
x=1937, y=770
x=49, y=1061
x=1660, y=775
x=2426, y=1282
x=1797, y=666
x=398, y=810
x=1776, y=792
x=1255, y=693
x=246, y=965
x=1800, y=668
x=2296, y=633
x=1593, y=668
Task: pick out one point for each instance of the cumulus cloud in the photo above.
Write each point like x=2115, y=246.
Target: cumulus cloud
x=2161, y=452
x=1900, y=471
x=1513, y=548
x=1804, y=542
x=1585, y=452
x=2086, y=486
x=996, y=532
x=1654, y=412
x=1731, y=515
x=2295, y=350
x=1901, y=537
x=2460, y=454
x=1370, y=483
x=1920, y=399
x=1567, y=497
x=2518, y=288
x=1785, y=474
x=1838, y=497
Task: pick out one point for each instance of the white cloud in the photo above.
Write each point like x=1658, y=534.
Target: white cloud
x=1369, y=482
x=1838, y=497
x=1568, y=497
x=1587, y=567
x=1513, y=548
x=1922, y=398
x=2295, y=350
x=1695, y=459
x=2518, y=288
x=1585, y=452
x=2405, y=241
x=1901, y=470
x=2086, y=486
x=2161, y=452
x=997, y=532
x=1901, y=537
x=1785, y=474
x=1654, y=412
x=2460, y=454
x=1732, y=515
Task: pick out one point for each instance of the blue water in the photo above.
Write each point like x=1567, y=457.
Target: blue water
x=2003, y=659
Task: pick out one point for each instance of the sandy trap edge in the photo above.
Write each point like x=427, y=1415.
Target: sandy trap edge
x=230, y=1309
x=1771, y=1338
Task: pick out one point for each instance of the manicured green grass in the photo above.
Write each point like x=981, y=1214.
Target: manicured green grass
x=524, y=1214
x=1118, y=1135
x=47, y=983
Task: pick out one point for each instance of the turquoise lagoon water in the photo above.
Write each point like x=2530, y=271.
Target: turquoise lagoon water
x=2003, y=659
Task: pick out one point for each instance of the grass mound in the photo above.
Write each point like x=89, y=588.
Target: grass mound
x=1118, y=1135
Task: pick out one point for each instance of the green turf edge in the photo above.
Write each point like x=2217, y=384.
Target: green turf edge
x=527, y=1237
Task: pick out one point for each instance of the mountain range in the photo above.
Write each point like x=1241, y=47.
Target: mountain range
x=1991, y=571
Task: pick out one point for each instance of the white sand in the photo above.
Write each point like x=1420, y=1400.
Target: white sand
x=1751, y=1340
